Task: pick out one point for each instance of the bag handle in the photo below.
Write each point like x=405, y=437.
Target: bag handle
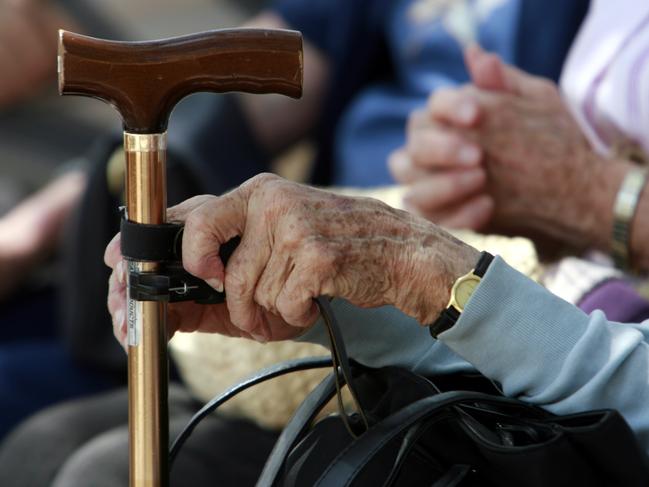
x=349, y=462
x=268, y=373
x=298, y=425
x=340, y=361
x=341, y=365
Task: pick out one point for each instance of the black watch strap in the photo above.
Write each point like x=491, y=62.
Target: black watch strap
x=483, y=263
x=450, y=315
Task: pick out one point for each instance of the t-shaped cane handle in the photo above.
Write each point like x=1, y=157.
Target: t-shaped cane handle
x=144, y=81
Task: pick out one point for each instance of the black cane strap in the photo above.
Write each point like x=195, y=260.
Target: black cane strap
x=170, y=282
x=161, y=243
x=151, y=243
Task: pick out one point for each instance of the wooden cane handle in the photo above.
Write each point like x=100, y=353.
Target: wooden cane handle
x=145, y=80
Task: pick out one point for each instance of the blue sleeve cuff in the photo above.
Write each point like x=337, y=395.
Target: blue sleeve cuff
x=385, y=336
x=510, y=321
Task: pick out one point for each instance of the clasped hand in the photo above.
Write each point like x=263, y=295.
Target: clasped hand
x=504, y=155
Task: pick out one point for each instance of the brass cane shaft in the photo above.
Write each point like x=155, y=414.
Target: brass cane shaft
x=146, y=202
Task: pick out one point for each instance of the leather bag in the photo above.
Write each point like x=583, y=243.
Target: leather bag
x=457, y=430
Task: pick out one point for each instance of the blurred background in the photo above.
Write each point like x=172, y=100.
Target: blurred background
x=38, y=135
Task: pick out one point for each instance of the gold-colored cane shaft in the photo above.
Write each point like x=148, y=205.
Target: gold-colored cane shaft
x=146, y=202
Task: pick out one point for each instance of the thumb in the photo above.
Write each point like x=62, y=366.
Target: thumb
x=208, y=226
x=489, y=72
x=486, y=70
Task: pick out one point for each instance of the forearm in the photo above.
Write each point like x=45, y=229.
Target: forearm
x=28, y=46
x=546, y=351
x=276, y=120
x=538, y=347
x=34, y=227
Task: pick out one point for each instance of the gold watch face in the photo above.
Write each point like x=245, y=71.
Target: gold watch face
x=462, y=290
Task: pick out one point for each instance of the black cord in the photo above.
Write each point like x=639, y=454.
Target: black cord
x=341, y=365
x=261, y=376
x=338, y=359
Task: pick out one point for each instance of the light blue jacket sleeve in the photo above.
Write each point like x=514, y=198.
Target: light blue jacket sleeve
x=538, y=347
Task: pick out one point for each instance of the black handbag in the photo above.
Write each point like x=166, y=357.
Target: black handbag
x=457, y=430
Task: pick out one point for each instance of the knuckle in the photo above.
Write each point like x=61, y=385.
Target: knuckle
x=236, y=284
x=444, y=100
x=416, y=143
x=264, y=297
x=446, y=147
x=196, y=219
x=262, y=179
x=437, y=97
x=416, y=119
x=546, y=87
x=294, y=234
x=290, y=306
x=319, y=257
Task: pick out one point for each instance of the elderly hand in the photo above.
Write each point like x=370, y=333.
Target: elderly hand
x=298, y=243
x=540, y=172
x=444, y=168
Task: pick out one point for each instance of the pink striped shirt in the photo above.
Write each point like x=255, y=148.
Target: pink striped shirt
x=606, y=77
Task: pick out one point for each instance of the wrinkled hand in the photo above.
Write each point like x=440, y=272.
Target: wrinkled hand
x=542, y=173
x=539, y=169
x=299, y=243
x=444, y=168
x=28, y=36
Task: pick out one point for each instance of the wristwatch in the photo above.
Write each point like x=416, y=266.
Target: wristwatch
x=461, y=291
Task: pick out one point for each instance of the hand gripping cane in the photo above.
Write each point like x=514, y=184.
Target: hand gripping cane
x=144, y=81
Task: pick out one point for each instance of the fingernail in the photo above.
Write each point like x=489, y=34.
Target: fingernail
x=121, y=274
x=259, y=338
x=467, y=112
x=216, y=284
x=400, y=161
x=468, y=155
x=119, y=317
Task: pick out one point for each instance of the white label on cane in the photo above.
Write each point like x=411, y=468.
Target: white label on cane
x=133, y=315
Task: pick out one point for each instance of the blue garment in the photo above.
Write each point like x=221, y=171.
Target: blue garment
x=425, y=56
x=538, y=347
x=35, y=374
x=383, y=66
x=36, y=369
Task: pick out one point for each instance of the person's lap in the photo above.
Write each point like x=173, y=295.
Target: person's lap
x=85, y=442
x=37, y=374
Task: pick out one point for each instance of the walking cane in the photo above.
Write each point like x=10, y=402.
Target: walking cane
x=144, y=81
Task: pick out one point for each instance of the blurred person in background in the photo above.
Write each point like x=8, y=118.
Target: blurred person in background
x=565, y=165
x=367, y=65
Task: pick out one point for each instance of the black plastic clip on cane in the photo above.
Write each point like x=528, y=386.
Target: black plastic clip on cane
x=171, y=282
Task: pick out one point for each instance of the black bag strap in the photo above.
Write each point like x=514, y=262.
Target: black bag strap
x=302, y=418
x=296, y=428
x=350, y=461
x=268, y=373
x=341, y=365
